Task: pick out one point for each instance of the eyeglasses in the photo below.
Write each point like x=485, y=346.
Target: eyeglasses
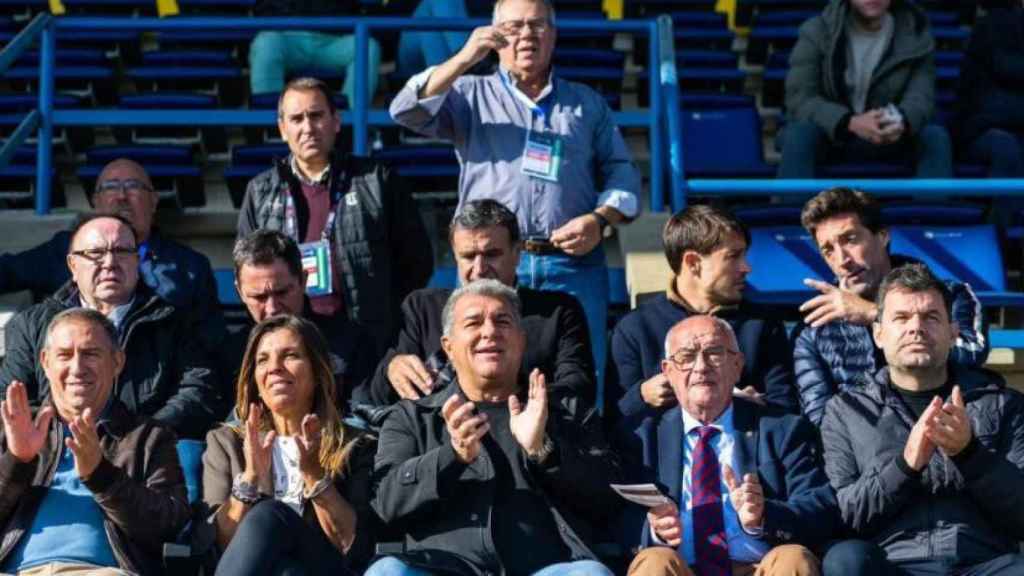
x=686, y=358
x=516, y=27
x=98, y=254
x=130, y=186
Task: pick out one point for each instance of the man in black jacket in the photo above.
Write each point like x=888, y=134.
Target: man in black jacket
x=487, y=476
x=177, y=273
x=927, y=460
x=354, y=219
x=270, y=280
x=169, y=376
x=484, y=236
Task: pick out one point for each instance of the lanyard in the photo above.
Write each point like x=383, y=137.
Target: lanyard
x=291, y=227
x=542, y=108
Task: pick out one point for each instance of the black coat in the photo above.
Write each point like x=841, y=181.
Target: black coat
x=557, y=340
x=970, y=507
x=167, y=375
x=442, y=506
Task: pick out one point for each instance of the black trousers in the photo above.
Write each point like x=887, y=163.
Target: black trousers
x=273, y=540
x=857, y=557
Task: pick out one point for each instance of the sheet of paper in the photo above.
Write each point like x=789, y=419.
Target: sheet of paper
x=643, y=494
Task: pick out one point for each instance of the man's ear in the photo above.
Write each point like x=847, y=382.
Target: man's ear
x=883, y=235
x=119, y=360
x=446, y=345
x=691, y=263
x=876, y=333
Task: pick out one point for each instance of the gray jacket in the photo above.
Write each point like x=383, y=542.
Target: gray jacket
x=905, y=76
x=969, y=507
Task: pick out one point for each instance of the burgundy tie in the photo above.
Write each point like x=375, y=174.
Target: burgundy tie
x=709, y=543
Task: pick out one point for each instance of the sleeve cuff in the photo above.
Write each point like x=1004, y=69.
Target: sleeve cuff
x=901, y=463
x=621, y=200
x=433, y=103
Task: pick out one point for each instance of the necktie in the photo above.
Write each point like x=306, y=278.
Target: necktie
x=709, y=543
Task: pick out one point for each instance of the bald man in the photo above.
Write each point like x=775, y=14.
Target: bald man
x=178, y=274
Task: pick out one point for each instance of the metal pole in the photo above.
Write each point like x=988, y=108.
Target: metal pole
x=656, y=107
x=44, y=168
x=360, y=133
x=670, y=88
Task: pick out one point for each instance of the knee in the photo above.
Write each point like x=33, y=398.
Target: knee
x=658, y=561
x=387, y=566
x=588, y=568
x=791, y=560
x=265, y=46
x=801, y=134
x=373, y=49
x=267, y=515
x=853, y=557
x=934, y=137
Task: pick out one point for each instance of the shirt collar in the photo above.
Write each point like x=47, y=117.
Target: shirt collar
x=117, y=315
x=672, y=293
x=320, y=178
x=723, y=423
x=506, y=76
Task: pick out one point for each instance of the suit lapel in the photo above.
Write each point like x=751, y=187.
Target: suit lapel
x=744, y=418
x=670, y=452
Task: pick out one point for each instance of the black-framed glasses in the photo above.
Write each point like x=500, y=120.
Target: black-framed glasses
x=130, y=186
x=685, y=358
x=98, y=254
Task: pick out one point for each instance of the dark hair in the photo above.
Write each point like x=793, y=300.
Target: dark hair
x=262, y=247
x=84, y=315
x=307, y=84
x=337, y=439
x=913, y=278
x=87, y=218
x=701, y=228
x=841, y=200
x=478, y=214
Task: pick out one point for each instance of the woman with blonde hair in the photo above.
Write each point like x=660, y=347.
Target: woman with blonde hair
x=290, y=484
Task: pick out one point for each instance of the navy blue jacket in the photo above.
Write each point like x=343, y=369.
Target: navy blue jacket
x=831, y=358
x=638, y=346
x=177, y=273
x=800, y=506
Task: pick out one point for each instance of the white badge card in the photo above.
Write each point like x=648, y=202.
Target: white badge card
x=316, y=262
x=542, y=156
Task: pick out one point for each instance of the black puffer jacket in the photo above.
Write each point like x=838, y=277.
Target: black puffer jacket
x=380, y=244
x=970, y=507
x=167, y=375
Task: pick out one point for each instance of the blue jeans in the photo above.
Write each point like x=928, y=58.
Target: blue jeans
x=419, y=50
x=861, y=558
x=805, y=146
x=274, y=54
x=391, y=566
x=1001, y=150
x=586, y=278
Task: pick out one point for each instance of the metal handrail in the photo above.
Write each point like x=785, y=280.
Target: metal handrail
x=10, y=54
x=360, y=116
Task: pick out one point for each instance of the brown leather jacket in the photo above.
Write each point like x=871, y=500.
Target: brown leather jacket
x=138, y=484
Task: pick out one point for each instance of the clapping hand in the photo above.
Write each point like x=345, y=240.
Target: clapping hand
x=258, y=452
x=747, y=498
x=25, y=437
x=528, y=423
x=465, y=427
x=308, y=442
x=950, y=428
x=84, y=443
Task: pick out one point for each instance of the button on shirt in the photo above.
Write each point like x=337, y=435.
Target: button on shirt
x=743, y=547
x=488, y=120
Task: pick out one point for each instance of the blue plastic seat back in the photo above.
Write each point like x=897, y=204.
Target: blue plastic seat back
x=780, y=258
x=190, y=455
x=966, y=253
x=932, y=213
x=722, y=142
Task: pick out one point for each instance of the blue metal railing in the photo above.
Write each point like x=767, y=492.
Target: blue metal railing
x=361, y=117
x=39, y=118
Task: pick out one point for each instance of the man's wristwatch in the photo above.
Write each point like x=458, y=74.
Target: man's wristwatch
x=545, y=450
x=243, y=491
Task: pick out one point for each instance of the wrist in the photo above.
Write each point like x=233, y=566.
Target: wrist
x=541, y=450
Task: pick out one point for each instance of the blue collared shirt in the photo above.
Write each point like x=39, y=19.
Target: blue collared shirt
x=488, y=119
x=743, y=547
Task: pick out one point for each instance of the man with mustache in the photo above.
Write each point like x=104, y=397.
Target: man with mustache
x=177, y=273
x=168, y=376
x=706, y=248
x=544, y=147
x=926, y=458
x=355, y=221
x=484, y=237
x=834, y=346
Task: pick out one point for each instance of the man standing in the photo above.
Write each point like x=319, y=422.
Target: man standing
x=861, y=87
x=487, y=476
x=169, y=377
x=270, y=279
x=834, y=347
x=356, y=223
x=177, y=273
x=485, y=241
x=927, y=459
x=85, y=486
x=706, y=248
x=752, y=496
x=544, y=147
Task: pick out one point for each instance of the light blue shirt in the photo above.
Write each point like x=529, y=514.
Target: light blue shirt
x=488, y=118
x=743, y=547
x=68, y=527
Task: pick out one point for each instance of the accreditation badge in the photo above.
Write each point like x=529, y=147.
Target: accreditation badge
x=542, y=156
x=316, y=262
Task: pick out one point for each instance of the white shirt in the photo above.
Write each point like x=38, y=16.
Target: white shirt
x=288, y=485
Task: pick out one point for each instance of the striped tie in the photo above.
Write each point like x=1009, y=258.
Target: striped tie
x=709, y=543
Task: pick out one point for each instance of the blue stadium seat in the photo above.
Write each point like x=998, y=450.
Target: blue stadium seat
x=190, y=455
x=769, y=215
x=212, y=139
x=14, y=106
x=247, y=162
x=765, y=39
x=789, y=248
x=902, y=213
x=429, y=168
x=784, y=17
x=18, y=181
x=723, y=142
x=171, y=168
x=207, y=71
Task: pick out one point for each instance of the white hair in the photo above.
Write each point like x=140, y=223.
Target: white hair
x=485, y=287
x=547, y=4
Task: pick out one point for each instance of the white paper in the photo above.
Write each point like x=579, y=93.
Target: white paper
x=646, y=495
